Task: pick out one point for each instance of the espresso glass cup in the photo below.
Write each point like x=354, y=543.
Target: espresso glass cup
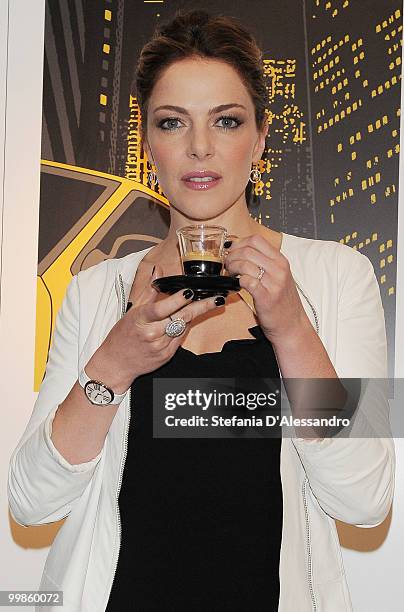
x=202, y=249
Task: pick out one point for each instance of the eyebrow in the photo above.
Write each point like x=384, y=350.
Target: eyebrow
x=217, y=109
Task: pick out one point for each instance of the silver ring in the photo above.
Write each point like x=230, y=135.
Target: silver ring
x=261, y=273
x=175, y=327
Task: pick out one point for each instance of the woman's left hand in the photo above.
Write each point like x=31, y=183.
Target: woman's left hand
x=276, y=301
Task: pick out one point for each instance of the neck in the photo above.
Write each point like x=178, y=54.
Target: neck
x=236, y=220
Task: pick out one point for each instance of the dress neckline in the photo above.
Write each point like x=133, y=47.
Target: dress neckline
x=255, y=330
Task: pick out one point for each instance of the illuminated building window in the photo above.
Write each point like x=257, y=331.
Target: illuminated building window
x=382, y=263
x=383, y=278
x=360, y=42
x=343, y=114
x=347, y=238
x=380, y=89
x=107, y=15
x=381, y=248
x=385, y=119
x=357, y=74
x=394, y=80
x=370, y=128
x=367, y=241
x=351, y=191
x=355, y=235
x=369, y=163
x=346, y=97
x=361, y=55
x=378, y=124
x=391, y=290
x=374, y=93
x=351, y=140
x=103, y=99
x=332, y=202
x=358, y=136
x=332, y=217
x=378, y=28
x=389, y=258
x=364, y=185
x=346, y=39
x=394, y=133
x=360, y=246
x=339, y=147
x=389, y=244
x=397, y=14
x=365, y=83
x=353, y=155
x=390, y=153
x=106, y=48
x=397, y=148
x=355, y=106
x=373, y=198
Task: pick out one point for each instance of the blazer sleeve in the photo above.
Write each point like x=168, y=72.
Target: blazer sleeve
x=352, y=478
x=42, y=485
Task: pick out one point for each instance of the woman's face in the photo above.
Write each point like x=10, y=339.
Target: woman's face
x=211, y=129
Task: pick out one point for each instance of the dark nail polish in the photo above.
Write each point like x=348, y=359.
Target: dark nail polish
x=219, y=301
x=128, y=306
x=228, y=244
x=188, y=293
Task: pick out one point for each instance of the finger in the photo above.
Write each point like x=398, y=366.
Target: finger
x=157, y=311
x=190, y=312
x=257, y=242
x=149, y=293
x=236, y=262
x=253, y=286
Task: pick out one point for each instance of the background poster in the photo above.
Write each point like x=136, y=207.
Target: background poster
x=22, y=68
x=330, y=168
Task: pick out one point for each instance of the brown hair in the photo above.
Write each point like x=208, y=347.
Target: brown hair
x=196, y=33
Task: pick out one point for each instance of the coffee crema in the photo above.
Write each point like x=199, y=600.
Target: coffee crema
x=203, y=263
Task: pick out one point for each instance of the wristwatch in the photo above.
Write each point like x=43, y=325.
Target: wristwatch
x=97, y=392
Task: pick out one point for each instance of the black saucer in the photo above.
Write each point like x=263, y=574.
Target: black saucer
x=202, y=286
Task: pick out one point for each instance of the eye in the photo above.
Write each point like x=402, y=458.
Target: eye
x=171, y=124
x=228, y=120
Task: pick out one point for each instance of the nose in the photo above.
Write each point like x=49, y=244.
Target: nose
x=200, y=144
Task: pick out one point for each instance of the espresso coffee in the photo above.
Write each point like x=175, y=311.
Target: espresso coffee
x=204, y=264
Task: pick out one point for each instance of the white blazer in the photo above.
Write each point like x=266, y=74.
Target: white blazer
x=337, y=478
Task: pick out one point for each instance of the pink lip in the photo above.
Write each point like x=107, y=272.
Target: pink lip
x=201, y=186
x=200, y=174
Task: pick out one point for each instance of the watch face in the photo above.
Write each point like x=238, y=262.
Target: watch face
x=97, y=393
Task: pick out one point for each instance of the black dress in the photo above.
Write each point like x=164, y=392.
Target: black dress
x=201, y=518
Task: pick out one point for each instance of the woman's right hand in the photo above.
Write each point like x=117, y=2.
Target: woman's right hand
x=137, y=343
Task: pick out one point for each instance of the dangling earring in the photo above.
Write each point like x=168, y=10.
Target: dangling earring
x=152, y=178
x=255, y=175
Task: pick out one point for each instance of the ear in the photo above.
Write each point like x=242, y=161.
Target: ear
x=260, y=143
x=145, y=144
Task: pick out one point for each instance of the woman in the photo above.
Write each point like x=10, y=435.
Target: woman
x=227, y=524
